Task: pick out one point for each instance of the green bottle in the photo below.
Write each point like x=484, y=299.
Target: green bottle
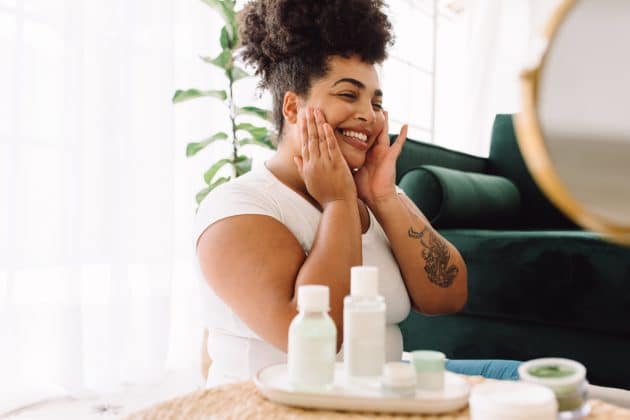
x=312, y=341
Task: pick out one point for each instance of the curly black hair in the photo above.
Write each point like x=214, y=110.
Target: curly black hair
x=289, y=42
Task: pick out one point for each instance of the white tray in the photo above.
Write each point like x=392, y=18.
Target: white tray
x=273, y=383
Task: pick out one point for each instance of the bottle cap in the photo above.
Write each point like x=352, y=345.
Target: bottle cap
x=399, y=374
x=428, y=361
x=313, y=298
x=364, y=281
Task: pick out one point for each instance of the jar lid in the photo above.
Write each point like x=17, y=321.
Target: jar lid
x=553, y=372
x=426, y=361
x=399, y=374
x=512, y=400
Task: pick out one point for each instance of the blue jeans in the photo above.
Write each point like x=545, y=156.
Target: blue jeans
x=488, y=368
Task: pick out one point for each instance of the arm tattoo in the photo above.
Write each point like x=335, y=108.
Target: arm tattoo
x=436, y=256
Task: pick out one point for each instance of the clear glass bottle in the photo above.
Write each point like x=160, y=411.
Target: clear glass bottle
x=312, y=341
x=363, y=325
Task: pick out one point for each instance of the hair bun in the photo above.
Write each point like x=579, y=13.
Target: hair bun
x=272, y=31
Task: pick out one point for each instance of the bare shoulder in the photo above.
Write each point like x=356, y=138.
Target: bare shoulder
x=251, y=262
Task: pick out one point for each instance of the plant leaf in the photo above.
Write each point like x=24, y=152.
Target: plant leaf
x=262, y=113
x=232, y=29
x=224, y=7
x=223, y=60
x=237, y=73
x=219, y=181
x=202, y=194
x=217, y=5
x=210, y=173
x=194, y=148
x=185, y=95
x=258, y=133
x=225, y=39
x=205, y=191
x=266, y=143
x=243, y=164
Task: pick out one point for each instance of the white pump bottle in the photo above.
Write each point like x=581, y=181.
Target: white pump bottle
x=363, y=325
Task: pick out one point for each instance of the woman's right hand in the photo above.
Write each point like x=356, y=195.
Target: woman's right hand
x=322, y=166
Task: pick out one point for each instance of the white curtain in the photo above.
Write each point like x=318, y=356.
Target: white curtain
x=480, y=56
x=96, y=196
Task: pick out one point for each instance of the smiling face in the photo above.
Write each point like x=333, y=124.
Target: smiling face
x=349, y=95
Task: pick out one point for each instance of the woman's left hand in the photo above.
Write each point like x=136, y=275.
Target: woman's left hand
x=376, y=180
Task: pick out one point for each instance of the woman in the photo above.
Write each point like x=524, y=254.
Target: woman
x=326, y=201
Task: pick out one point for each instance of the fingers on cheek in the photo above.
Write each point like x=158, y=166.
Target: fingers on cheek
x=330, y=134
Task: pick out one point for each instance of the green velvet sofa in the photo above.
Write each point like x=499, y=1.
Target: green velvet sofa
x=538, y=285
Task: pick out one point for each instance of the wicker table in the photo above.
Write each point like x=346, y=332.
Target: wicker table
x=243, y=401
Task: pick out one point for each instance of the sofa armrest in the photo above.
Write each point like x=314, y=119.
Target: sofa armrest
x=416, y=153
x=451, y=198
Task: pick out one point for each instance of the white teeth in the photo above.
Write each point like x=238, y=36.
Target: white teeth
x=355, y=134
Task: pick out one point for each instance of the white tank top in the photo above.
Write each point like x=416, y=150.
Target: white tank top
x=237, y=352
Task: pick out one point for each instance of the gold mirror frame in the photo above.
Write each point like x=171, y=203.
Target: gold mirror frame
x=535, y=152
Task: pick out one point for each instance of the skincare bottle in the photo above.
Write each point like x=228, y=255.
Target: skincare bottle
x=312, y=341
x=363, y=325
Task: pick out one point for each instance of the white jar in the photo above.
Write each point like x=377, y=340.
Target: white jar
x=509, y=400
x=363, y=325
x=312, y=341
x=429, y=369
x=398, y=380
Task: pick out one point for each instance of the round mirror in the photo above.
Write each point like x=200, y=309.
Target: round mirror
x=574, y=129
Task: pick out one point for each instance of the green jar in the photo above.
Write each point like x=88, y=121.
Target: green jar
x=565, y=377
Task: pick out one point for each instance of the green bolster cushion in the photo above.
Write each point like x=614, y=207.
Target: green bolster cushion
x=454, y=199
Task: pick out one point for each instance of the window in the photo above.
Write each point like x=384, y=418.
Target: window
x=422, y=69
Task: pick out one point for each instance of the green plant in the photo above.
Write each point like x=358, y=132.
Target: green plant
x=242, y=133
